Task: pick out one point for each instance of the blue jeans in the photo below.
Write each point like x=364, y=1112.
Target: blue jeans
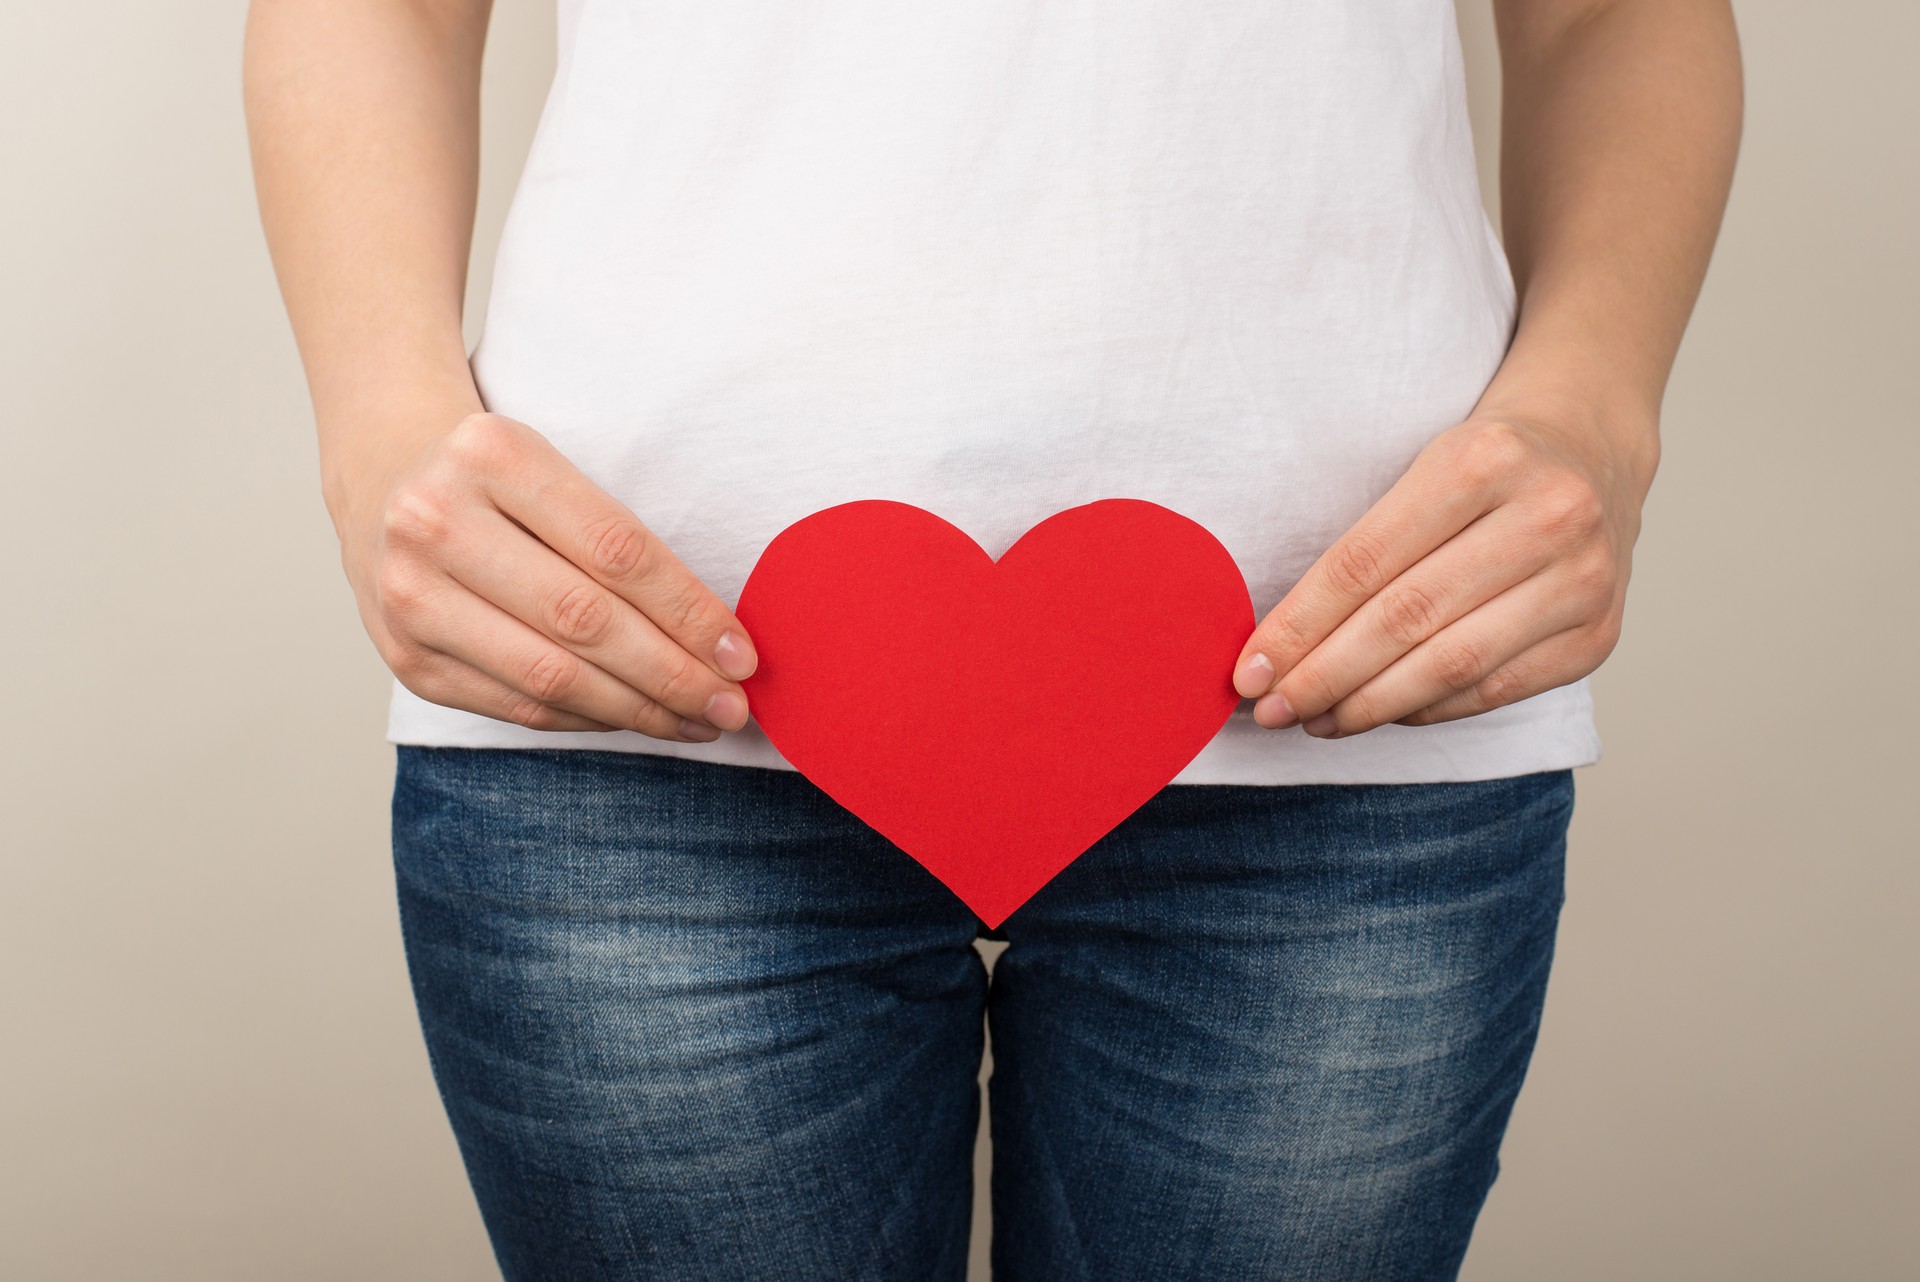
x=696, y=1021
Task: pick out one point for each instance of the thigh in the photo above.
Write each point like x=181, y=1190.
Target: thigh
x=1273, y=1033
x=688, y=1020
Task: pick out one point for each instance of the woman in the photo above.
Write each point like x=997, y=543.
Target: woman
x=691, y=1019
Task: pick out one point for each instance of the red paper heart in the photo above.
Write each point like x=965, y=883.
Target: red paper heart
x=994, y=720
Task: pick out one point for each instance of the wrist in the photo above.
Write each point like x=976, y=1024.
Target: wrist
x=366, y=442
x=1611, y=418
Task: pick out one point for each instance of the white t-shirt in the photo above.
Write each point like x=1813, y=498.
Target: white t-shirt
x=997, y=258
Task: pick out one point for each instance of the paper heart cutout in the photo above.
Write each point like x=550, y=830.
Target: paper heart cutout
x=994, y=719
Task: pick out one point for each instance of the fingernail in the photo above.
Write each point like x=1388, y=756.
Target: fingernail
x=726, y=710
x=1274, y=712
x=699, y=733
x=734, y=657
x=1322, y=726
x=1255, y=676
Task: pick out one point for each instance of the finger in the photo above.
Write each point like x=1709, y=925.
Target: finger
x=501, y=563
x=445, y=680
x=480, y=634
x=1534, y=671
x=1456, y=658
x=583, y=523
x=1451, y=484
x=1468, y=570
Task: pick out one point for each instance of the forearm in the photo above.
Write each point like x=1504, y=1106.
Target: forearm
x=363, y=117
x=1620, y=124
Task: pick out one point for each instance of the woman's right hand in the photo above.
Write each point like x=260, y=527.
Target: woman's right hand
x=491, y=573
x=494, y=577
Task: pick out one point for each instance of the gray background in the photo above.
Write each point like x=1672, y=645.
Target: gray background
x=209, y=1067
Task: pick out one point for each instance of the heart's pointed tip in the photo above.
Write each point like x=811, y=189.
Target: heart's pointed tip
x=993, y=912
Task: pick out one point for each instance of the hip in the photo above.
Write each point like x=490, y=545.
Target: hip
x=653, y=841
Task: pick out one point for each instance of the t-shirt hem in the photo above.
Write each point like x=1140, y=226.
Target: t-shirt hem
x=1551, y=731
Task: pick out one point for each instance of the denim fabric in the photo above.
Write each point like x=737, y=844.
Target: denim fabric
x=693, y=1020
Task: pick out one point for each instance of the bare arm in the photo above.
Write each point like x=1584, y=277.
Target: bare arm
x=491, y=574
x=1497, y=567
x=365, y=123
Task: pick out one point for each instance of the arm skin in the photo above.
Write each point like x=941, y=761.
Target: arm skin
x=1496, y=568
x=491, y=574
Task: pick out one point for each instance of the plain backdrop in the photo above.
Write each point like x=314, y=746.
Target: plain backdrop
x=209, y=1065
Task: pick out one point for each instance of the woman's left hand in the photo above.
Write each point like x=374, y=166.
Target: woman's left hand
x=1494, y=569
